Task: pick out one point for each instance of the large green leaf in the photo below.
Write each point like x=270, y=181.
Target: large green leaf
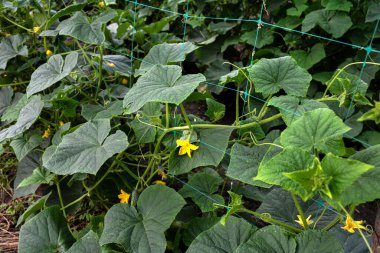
x=46, y=232
x=245, y=162
x=314, y=241
x=28, y=114
x=308, y=59
x=12, y=112
x=10, y=47
x=197, y=226
x=271, y=75
x=292, y=108
x=87, y=244
x=142, y=230
x=270, y=239
x=351, y=242
x=161, y=84
x=86, y=149
x=259, y=39
x=90, y=112
x=289, y=160
x=337, y=5
x=335, y=23
x=223, y=238
x=212, y=147
x=165, y=53
x=63, y=12
x=80, y=28
x=25, y=169
x=51, y=72
x=6, y=95
x=32, y=209
x=206, y=184
x=39, y=176
x=319, y=129
x=368, y=182
x=342, y=172
x=280, y=205
x=24, y=144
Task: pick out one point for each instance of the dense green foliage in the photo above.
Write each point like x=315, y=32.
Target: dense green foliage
x=97, y=100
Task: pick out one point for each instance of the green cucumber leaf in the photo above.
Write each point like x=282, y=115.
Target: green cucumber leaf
x=206, y=184
x=337, y=5
x=86, y=149
x=87, y=244
x=342, y=172
x=6, y=94
x=368, y=182
x=80, y=28
x=289, y=160
x=280, y=205
x=28, y=115
x=39, y=176
x=51, y=72
x=10, y=47
x=45, y=232
x=215, y=110
x=292, y=108
x=314, y=241
x=24, y=144
x=165, y=53
x=142, y=230
x=308, y=59
x=25, y=169
x=319, y=129
x=223, y=238
x=92, y=112
x=63, y=12
x=272, y=75
x=39, y=204
x=334, y=23
x=197, y=226
x=269, y=239
x=163, y=84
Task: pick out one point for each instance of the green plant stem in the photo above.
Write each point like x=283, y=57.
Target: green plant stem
x=300, y=211
x=320, y=216
x=100, y=76
x=340, y=71
x=185, y=116
x=167, y=114
x=60, y=196
x=14, y=84
x=237, y=100
x=16, y=24
x=271, y=220
x=208, y=126
x=360, y=231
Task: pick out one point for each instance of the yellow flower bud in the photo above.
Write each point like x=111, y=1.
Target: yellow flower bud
x=101, y=4
x=61, y=123
x=36, y=29
x=111, y=65
x=124, y=81
x=49, y=53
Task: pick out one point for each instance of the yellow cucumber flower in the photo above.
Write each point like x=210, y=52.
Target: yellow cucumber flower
x=186, y=147
x=159, y=182
x=49, y=53
x=308, y=220
x=351, y=225
x=101, y=4
x=46, y=133
x=124, y=81
x=61, y=123
x=111, y=65
x=124, y=197
x=36, y=29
